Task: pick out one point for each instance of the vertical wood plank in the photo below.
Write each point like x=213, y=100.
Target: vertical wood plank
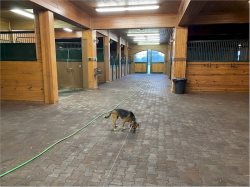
x=126, y=56
x=179, y=53
x=89, y=59
x=48, y=54
x=108, y=76
x=119, y=53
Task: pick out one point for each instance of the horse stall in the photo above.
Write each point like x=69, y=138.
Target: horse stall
x=69, y=64
x=218, y=65
x=21, y=68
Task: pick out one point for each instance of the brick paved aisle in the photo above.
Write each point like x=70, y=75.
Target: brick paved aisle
x=190, y=139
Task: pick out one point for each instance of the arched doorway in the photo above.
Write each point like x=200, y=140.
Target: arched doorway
x=149, y=61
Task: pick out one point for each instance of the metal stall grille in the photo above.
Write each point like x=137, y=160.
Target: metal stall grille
x=69, y=51
x=17, y=37
x=218, y=51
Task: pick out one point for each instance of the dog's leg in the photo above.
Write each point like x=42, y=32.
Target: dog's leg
x=114, y=118
x=123, y=125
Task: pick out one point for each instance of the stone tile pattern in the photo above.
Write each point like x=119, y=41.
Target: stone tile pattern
x=190, y=139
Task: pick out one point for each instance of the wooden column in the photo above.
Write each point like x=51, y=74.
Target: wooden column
x=48, y=56
x=126, y=57
x=89, y=59
x=119, y=53
x=179, y=53
x=108, y=75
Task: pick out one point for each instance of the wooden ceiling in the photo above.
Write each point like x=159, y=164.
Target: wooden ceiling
x=166, y=6
x=22, y=23
x=213, y=12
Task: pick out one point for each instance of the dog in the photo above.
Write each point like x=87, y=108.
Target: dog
x=126, y=116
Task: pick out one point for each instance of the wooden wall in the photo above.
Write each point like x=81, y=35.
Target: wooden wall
x=4, y=24
x=22, y=81
x=101, y=78
x=218, y=76
x=140, y=68
x=69, y=75
x=179, y=52
x=59, y=34
x=157, y=68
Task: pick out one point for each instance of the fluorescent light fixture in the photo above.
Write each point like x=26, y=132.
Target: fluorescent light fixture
x=129, y=8
x=147, y=40
x=143, y=34
x=67, y=29
x=23, y=13
x=149, y=43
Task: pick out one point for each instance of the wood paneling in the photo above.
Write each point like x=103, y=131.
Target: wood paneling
x=66, y=10
x=126, y=55
x=21, y=81
x=194, y=12
x=190, y=9
x=119, y=53
x=180, y=50
x=101, y=78
x=139, y=21
x=107, y=72
x=225, y=18
x=89, y=59
x=113, y=37
x=140, y=68
x=48, y=50
x=59, y=34
x=69, y=75
x=157, y=68
x=4, y=24
x=218, y=76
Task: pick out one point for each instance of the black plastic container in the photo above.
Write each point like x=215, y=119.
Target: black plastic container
x=180, y=85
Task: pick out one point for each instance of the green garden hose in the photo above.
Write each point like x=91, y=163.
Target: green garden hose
x=60, y=140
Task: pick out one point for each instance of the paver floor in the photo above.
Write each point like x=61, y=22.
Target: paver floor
x=189, y=139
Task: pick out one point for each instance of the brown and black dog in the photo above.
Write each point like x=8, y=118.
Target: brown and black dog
x=126, y=116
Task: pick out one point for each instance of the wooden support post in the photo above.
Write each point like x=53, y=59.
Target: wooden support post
x=89, y=59
x=179, y=53
x=119, y=53
x=126, y=57
x=48, y=55
x=108, y=76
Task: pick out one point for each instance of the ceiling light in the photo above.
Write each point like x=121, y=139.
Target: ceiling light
x=23, y=13
x=149, y=43
x=146, y=37
x=129, y=8
x=147, y=40
x=67, y=29
x=143, y=34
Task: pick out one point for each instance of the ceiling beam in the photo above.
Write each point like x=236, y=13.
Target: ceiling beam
x=138, y=21
x=191, y=12
x=225, y=18
x=189, y=9
x=65, y=10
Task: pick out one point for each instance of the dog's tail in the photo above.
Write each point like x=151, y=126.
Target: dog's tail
x=108, y=115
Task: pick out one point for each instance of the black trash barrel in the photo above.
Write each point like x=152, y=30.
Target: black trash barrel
x=180, y=85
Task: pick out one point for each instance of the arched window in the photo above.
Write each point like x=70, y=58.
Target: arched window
x=157, y=57
x=141, y=57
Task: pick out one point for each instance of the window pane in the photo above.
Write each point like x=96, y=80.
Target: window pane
x=157, y=56
x=141, y=57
